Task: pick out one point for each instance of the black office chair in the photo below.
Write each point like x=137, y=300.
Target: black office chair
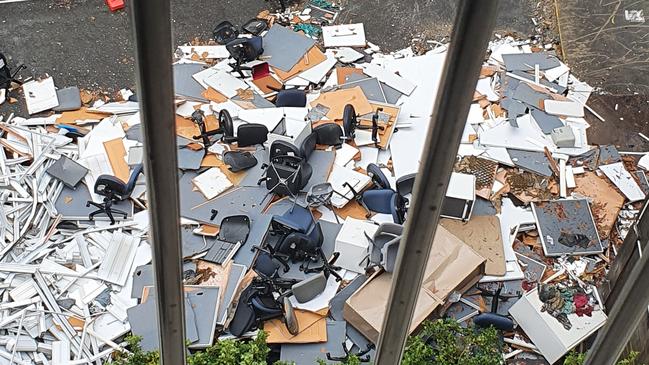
x=295, y=98
x=378, y=177
x=330, y=134
x=350, y=122
x=6, y=76
x=405, y=184
x=113, y=190
x=225, y=32
x=244, y=50
x=255, y=26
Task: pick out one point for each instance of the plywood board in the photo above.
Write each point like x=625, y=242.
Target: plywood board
x=336, y=101
x=266, y=83
x=483, y=234
x=343, y=72
x=213, y=95
x=607, y=201
x=72, y=117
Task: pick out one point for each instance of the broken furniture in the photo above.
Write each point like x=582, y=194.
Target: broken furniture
x=225, y=128
x=225, y=32
x=353, y=242
x=384, y=246
x=320, y=195
x=460, y=197
x=329, y=134
x=244, y=50
x=383, y=199
x=239, y=160
x=293, y=98
x=255, y=26
x=113, y=190
x=6, y=76
x=233, y=233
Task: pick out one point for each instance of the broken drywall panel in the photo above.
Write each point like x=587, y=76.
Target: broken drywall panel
x=284, y=48
x=545, y=121
x=347, y=54
x=553, y=74
x=40, y=95
x=212, y=183
x=225, y=83
x=527, y=61
x=393, y=80
x=623, y=180
x=529, y=96
x=344, y=35
x=535, y=162
x=566, y=227
x=117, y=263
x=564, y=108
x=547, y=333
x=527, y=136
x=484, y=87
x=205, y=52
x=317, y=73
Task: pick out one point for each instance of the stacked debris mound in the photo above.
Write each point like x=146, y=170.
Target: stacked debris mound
x=297, y=144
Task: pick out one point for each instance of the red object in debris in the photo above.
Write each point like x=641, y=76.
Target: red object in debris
x=115, y=5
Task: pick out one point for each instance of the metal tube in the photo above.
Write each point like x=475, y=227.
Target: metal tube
x=151, y=22
x=629, y=309
x=473, y=28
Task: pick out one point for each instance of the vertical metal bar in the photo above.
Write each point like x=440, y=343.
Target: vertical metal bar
x=473, y=28
x=151, y=21
x=629, y=308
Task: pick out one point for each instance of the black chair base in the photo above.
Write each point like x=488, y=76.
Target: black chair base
x=105, y=208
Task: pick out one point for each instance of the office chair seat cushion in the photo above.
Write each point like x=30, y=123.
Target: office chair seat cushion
x=378, y=177
x=308, y=146
x=299, y=219
x=251, y=134
x=380, y=201
x=500, y=322
x=255, y=26
x=309, y=288
x=294, y=98
x=329, y=134
x=349, y=121
x=239, y=160
x=405, y=184
x=266, y=266
x=235, y=229
x=225, y=32
x=283, y=148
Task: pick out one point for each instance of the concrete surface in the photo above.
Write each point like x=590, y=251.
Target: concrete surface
x=604, y=48
x=80, y=42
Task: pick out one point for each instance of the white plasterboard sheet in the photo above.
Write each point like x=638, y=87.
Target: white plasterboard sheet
x=347, y=55
x=623, y=180
x=269, y=117
x=407, y=145
x=202, y=75
x=186, y=109
x=344, y=35
x=40, y=95
x=232, y=107
x=527, y=136
x=118, y=107
x=554, y=73
x=370, y=155
x=318, y=72
x=579, y=90
x=484, y=87
x=565, y=108
x=225, y=83
x=118, y=261
x=215, y=51
x=345, y=154
x=475, y=114
x=393, y=80
x=545, y=331
x=341, y=175
x=212, y=183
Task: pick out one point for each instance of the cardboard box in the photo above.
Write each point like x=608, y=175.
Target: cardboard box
x=452, y=265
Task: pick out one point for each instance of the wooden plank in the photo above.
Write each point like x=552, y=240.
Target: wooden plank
x=117, y=158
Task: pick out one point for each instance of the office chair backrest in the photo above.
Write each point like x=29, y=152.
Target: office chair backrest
x=112, y=186
x=308, y=145
x=380, y=200
x=235, y=229
x=245, y=49
x=329, y=134
x=349, y=121
x=225, y=32
x=291, y=98
x=378, y=177
x=405, y=184
x=283, y=148
x=251, y=134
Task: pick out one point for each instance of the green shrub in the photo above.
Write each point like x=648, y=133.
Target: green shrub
x=578, y=358
x=453, y=344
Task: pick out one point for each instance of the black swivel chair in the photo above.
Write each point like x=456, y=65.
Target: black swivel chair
x=113, y=190
x=330, y=134
x=225, y=32
x=244, y=50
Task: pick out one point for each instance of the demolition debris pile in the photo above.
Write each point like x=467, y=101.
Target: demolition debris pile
x=297, y=146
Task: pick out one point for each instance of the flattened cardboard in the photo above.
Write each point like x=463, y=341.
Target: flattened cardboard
x=116, y=156
x=451, y=266
x=336, y=101
x=312, y=327
x=483, y=234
